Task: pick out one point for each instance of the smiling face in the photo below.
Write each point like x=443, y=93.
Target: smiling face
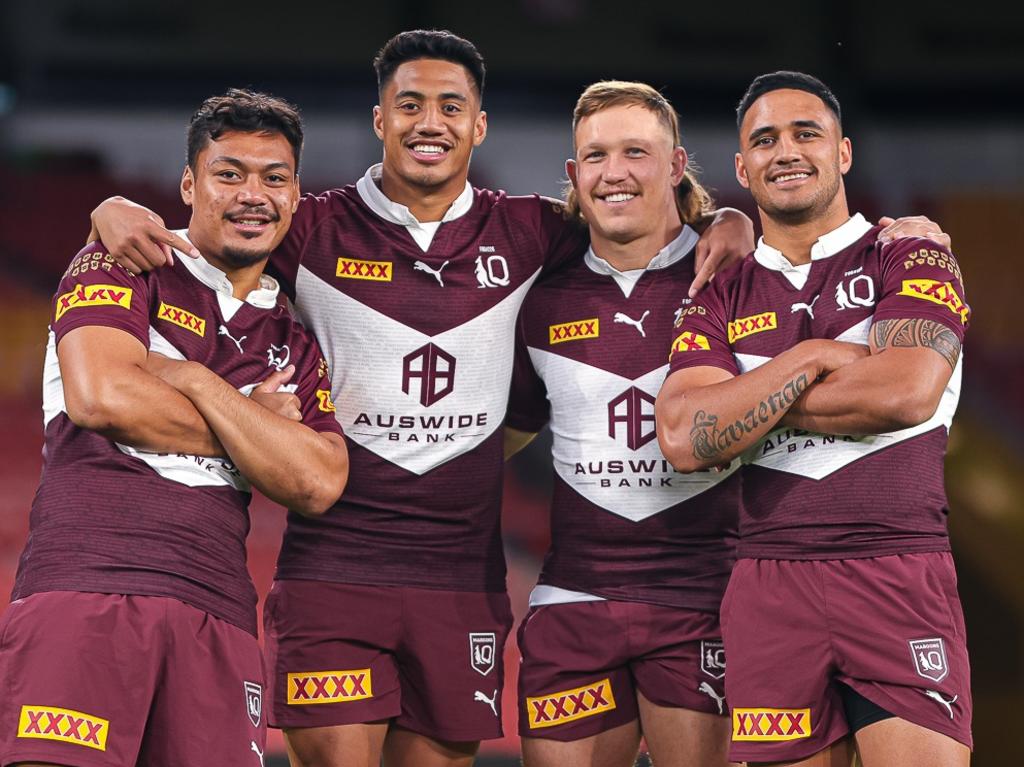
x=429, y=119
x=243, y=192
x=792, y=157
x=625, y=173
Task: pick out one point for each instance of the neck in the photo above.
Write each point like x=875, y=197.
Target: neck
x=637, y=253
x=794, y=239
x=243, y=279
x=425, y=203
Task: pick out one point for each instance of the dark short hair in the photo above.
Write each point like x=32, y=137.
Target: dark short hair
x=245, y=111
x=429, y=44
x=781, y=80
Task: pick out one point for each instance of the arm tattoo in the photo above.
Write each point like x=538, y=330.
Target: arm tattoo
x=710, y=441
x=919, y=332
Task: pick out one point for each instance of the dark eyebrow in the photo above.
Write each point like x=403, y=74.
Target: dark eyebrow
x=450, y=96
x=239, y=164
x=756, y=134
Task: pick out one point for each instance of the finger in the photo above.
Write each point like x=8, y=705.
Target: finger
x=276, y=380
x=886, y=221
x=172, y=240
x=704, y=274
x=150, y=254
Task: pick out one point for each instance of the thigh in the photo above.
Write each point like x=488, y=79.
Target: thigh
x=896, y=741
x=405, y=748
x=330, y=653
x=678, y=658
x=780, y=662
x=677, y=737
x=451, y=663
x=208, y=706
x=615, y=747
x=574, y=678
x=901, y=640
x=343, y=745
x=78, y=672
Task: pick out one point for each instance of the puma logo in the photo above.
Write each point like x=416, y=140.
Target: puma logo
x=259, y=754
x=223, y=331
x=627, y=320
x=937, y=697
x=802, y=306
x=481, y=698
x=419, y=266
x=719, y=699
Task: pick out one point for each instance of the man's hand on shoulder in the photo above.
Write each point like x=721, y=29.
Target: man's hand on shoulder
x=727, y=238
x=135, y=236
x=913, y=226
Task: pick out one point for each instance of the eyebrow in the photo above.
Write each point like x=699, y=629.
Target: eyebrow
x=239, y=164
x=796, y=124
x=448, y=96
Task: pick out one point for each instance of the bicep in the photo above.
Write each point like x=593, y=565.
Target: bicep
x=686, y=380
x=917, y=333
x=93, y=355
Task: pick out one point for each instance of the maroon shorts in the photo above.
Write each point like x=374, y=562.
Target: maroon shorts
x=346, y=654
x=107, y=680
x=584, y=662
x=890, y=627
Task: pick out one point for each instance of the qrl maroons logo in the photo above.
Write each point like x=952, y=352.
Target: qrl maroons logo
x=482, y=649
x=712, y=658
x=434, y=368
x=254, y=702
x=633, y=409
x=930, y=658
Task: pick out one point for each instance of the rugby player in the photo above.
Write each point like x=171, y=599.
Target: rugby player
x=622, y=637
x=131, y=638
x=832, y=363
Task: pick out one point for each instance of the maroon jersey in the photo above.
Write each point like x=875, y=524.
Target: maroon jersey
x=590, y=359
x=418, y=323
x=821, y=496
x=108, y=518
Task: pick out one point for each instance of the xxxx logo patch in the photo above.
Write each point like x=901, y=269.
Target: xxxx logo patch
x=688, y=341
x=570, y=705
x=64, y=725
x=353, y=269
x=768, y=724
x=93, y=295
x=182, y=318
x=574, y=331
x=309, y=687
x=756, y=323
x=941, y=293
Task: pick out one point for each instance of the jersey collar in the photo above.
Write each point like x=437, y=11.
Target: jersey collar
x=827, y=245
x=264, y=297
x=676, y=250
x=383, y=206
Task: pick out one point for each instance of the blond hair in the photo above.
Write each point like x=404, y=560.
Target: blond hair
x=692, y=200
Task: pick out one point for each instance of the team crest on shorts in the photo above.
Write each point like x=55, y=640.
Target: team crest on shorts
x=482, y=649
x=254, y=702
x=929, y=658
x=712, y=658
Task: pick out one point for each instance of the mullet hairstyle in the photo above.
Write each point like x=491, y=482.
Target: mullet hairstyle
x=692, y=200
x=429, y=44
x=244, y=111
x=787, y=80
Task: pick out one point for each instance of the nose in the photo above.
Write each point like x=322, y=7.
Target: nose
x=430, y=120
x=786, y=150
x=251, y=192
x=615, y=168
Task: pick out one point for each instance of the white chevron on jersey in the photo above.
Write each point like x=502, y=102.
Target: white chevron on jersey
x=646, y=484
x=365, y=350
x=814, y=455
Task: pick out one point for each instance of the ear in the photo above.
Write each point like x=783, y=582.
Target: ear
x=480, y=129
x=845, y=155
x=188, y=183
x=378, y=122
x=298, y=195
x=679, y=160
x=741, y=172
x=570, y=171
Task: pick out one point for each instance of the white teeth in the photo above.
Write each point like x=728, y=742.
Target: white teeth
x=619, y=197
x=428, y=149
x=249, y=222
x=790, y=177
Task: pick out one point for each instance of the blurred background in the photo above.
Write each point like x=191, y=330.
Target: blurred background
x=95, y=94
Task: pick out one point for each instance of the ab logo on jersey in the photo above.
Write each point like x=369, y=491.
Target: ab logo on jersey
x=311, y=687
x=634, y=409
x=182, y=318
x=756, y=323
x=574, y=331
x=434, y=368
x=942, y=293
x=354, y=269
x=570, y=705
x=929, y=658
x=64, y=725
x=768, y=724
x=93, y=295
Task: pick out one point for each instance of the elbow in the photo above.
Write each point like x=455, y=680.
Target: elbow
x=913, y=408
x=95, y=407
x=678, y=454
x=323, y=489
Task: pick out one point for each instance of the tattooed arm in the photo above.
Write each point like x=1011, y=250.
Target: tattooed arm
x=706, y=417
x=898, y=386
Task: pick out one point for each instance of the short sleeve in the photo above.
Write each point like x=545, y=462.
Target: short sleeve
x=701, y=333
x=96, y=290
x=314, y=388
x=528, y=405
x=286, y=258
x=922, y=280
x=561, y=239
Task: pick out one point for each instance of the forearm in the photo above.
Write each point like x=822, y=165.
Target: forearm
x=710, y=425
x=286, y=460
